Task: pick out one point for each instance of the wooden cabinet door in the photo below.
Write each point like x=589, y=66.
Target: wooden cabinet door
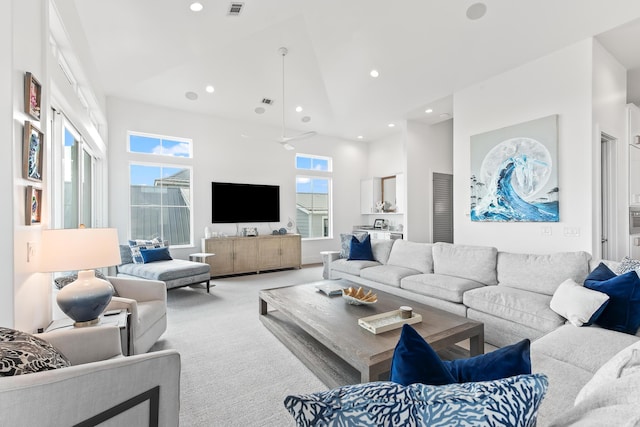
x=246, y=255
x=222, y=262
x=290, y=251
x=269, y=252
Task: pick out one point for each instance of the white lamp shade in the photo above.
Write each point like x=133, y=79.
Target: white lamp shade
x=78, y=249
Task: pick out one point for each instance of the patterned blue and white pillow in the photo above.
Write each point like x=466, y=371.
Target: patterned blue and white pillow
x=135, y=246
x=627, y=264
x=512, y=401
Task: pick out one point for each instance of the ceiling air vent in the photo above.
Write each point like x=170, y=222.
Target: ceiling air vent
x=267, y=101
x=235, y=8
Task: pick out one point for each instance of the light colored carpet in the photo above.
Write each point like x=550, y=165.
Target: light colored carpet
x=234, y=371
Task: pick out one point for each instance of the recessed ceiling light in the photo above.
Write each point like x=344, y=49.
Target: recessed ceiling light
x=305, y=119
x=445, y=115
x=428, y=111
x=374, y=73
x=191, y=96
x=298, y=108
x=476, y=11
x=209, y=89
x=360, y=137
x=259, y=110
x=391, y=125
x=244, y=135
x=196, y=6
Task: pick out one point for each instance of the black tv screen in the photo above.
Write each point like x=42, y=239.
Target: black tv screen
x=232, y=202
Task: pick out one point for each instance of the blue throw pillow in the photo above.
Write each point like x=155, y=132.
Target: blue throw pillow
x=361, y=250
x=156, y=254
x=504, y=362
x=415, y=361
x=510, y=401
x=622, y=313
x=599, y=274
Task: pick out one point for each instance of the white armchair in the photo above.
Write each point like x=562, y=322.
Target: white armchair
x=146, y=301
x=101, y=384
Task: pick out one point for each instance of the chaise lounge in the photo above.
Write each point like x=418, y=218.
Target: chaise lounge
x=175, y=273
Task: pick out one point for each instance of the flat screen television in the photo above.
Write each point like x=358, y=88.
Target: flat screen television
x=233, y=203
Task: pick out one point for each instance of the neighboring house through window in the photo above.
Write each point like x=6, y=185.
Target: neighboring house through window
x=313, y=196
x=160, y=188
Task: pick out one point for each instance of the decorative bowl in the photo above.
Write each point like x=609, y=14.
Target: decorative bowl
x=359, y=296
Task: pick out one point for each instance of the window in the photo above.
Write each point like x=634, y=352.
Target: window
x=313, y=196
x=160, y=193
x=77, y=180
x=149, y=144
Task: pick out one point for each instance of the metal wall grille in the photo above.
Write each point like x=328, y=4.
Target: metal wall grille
x=442, y=207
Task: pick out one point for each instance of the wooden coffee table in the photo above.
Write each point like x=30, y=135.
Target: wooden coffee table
x=323, y=332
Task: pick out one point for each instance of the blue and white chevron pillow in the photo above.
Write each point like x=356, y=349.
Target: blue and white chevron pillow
x=136, y=245
x=512, y=401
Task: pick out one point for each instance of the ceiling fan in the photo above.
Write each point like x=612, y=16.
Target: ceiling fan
x=285, y=140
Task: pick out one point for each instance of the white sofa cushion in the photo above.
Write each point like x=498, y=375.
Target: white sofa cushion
x=388, y=274
x=352, y=267
x=516, y=305
x=541, y=273
x=476, y=263
x=567, y=344
x=381, y=249
x=439, y=286
x=413, y=255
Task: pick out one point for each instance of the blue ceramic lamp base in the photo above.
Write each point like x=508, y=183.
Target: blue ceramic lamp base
x=85, y=299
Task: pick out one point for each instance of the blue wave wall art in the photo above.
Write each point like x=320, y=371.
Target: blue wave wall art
x=515, y=183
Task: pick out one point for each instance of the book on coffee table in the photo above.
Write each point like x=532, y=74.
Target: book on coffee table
x=330, y=289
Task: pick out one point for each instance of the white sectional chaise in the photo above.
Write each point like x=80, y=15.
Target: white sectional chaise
x=511, y=294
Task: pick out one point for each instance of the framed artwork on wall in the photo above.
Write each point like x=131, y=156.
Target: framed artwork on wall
x=32, y=150
x=32, y=96
x=514, y=173
x=33, y=206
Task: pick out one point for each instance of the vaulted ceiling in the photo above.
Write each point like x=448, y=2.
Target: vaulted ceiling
x=155, y=51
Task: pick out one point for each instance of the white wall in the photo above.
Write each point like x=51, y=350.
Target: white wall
x=6, y=163
x=609, y=116
x=429, y=149
x=221, y=154
x=32, y=291
x=559, y=83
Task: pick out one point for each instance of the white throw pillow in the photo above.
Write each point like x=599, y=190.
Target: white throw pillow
x=576, y=303
x=624, y=364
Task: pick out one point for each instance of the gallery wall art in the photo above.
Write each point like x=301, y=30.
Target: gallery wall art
x=33, y=206
x=32, y=96
x=514, y=173
x=32, y=152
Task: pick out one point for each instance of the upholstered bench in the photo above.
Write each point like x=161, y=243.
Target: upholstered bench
x=175, y=273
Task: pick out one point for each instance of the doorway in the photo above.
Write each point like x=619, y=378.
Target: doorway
x=607, y=196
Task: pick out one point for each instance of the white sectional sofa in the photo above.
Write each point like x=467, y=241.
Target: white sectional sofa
x=511, y=294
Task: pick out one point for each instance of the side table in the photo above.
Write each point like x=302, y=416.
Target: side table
x=119, y=318
x=200, y=256
x=327, y=257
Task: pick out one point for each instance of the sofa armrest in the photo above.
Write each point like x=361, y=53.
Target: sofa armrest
x=68, y=396
x=85, y=345
x=139, y=289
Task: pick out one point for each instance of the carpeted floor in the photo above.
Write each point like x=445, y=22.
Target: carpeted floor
x=234, y=371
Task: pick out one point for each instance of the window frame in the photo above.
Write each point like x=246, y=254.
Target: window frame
x=162, y=161
x=161, y=138
x=317, y=174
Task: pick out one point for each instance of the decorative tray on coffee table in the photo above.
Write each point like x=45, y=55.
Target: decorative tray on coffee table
x=388, y=321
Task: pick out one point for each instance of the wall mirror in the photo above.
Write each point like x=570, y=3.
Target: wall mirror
x=389, y=193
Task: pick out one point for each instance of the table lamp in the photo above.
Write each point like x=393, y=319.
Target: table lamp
x=81, y=249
